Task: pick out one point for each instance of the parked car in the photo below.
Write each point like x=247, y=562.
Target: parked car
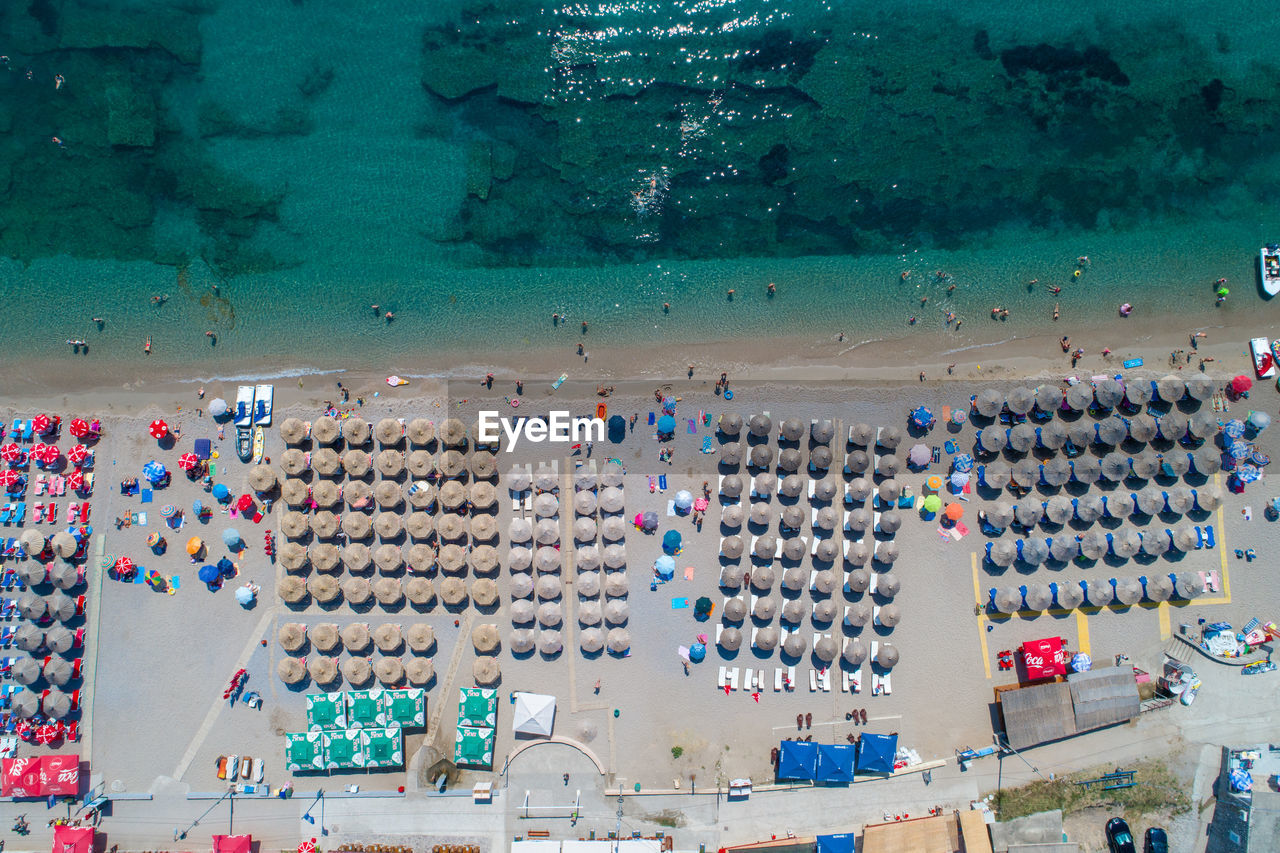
x=1119, y=838
x=1155, y=841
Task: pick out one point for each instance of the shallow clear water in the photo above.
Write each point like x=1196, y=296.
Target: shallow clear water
x=278, y=167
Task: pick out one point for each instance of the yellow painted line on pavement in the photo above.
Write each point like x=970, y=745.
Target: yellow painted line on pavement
x=1162, y=610
x=1082, y=630
x=982, y=616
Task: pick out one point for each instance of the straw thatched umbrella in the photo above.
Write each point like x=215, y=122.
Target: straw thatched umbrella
x=855, y=652
x=889, y=490
x=1093, y=544
x=546, y=505
x=888, y=465
x=1112, y=430
x=323, y=588
x=792, y=517
x=326, y=462
x=1099, y=593
x=485, y=670
x=584, y=503
x=1121, y=505
x=484, y=592
x=420, y=432
x=1068, y=595
x=1052, y=435
x=794, y=645
x=485, y=638
x=323, y=670
x=1056, y=472
x=1201, y=387
x=549, y=587
x=28, y=637
x=1089, y=508
x=420, y=463
x=857, y=462
x=762, y=456
x=292, y=589
x=326, y=494
x=730, y=639
x=1125, y=542
x=731, y=454
x=388, y=591
x=484, y=560
x=587, y=557
x=547, y=559
x=1171, y=388
x=617, y=612
x=765, y=547
x=1108, y=393
x=1086, y=469
x=324, y=557
x=1022, y=437
x=888, y=585
x=1150, y=501
x=1029, y=511
x=762, y=578
x=420, y=591
x=356, y=557
x=482, y=495
x=822, y=431
x=356, y=591
x=1008, y=600
x=550, y=642
x=1184, y=537
x=1034, y=551
x=1003, y=552
x=887, y=656
x=294, y=525
x=388, y=525
x=1026, y=473
x=1176, y=461
x=356, y=462
x=614, y=556
x=860, y=434
x=453, y=433
x=890, y=437
x=792, y=486
x=64, y=544
x=293, y=431
x=325, y=430
x=357, y=671
x=820, y=458
x=483, y=528
x=858, y=553
x=419, y=671
x=389, y=432
x=1207, y=460
x=59, y=639
x=886, y=552
x=616, y=585
x=730, y=423
x=1156, y=542
x=550, y=614
x=890, y=521
x=546, y=532
x=291, y=670
x=611, y=499
x=356, y=525
x=766, y=638
x=732, y=516
x=24, y=670
x=387, y=558
x=1038, y=597
x=794, y=578
x=760, y=425
x=588, y=584
x=790, y=429
x=356, y=493
x=1114, y=467
x=1020, y=400
x=992, y=439
x=731, y=577
x=825, y=649
x=1064, y=547
x=1159, y=588
x=520, y=560
x=1079, y=396
x=888, y=616
x=523, y=612
x=1059, y=509
x=356, y=431
x=1143, y=428
x=1128, y=591
x=760, y=514
x=591, y=640
x=262, y=478
x=1189, y=585
x=355, y=637
x=1144, y=465
x=324, y=524
x=450, y=527
x=826, y=552
x=390, y=463
x=1001, y=514
x=858, y=580
x=1048, y=398
x=483, y=465
x=452, y=495
x=989, y=402
x=1202, y=424
x=1179, y=500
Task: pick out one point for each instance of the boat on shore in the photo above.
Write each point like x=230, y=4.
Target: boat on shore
x=1269, y=268
x=262, y=400
x=1264, y=364
x=244, y=407
x=244, y=443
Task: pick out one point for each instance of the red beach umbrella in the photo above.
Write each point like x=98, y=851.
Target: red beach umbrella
x=307, y=846
x=1241, y=384
x=47, y=734
x=10, y=453
x=50, y=454
x=8, y=477
x=75, y=480
x=187, y=461
x=40, y=424
x=38, y=450
x=124, y=565
x=246, y=501
x=159, y=429
x=79, y=428
x=77, y=454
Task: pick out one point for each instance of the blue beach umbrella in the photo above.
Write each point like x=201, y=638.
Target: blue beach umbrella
x=1238, y=450
x=1258, y=421
x=697, y=652
x=1234, y=428
x=963, y=462
x=1080, y=662
x=959, y=479
x=666, y=425
x=208, y=573
x=922, y=418
x=226, y=568
x=665, y=566
x=669, y=405
x=244, y=595
x=154, y=471
x=1247, y=474
x=221, y=492
x=231, y=537
x=671, y=541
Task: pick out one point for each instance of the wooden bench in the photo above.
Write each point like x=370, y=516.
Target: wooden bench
x=539, y=833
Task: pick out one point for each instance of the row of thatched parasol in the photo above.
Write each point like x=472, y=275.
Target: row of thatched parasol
x=1093, y=545
x=449, y=527
x=357, y=671
x=790, y=430
x=388, y=592
x=389, y=432
x=390, y=559
x=1099, y=593
x=793, y=644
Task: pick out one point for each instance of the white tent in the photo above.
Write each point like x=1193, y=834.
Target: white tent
x=535, y=714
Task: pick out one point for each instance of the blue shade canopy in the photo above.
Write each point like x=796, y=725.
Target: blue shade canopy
x=797, y=760
x=875, y=753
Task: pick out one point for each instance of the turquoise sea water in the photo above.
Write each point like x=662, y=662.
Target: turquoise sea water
x=275, y=168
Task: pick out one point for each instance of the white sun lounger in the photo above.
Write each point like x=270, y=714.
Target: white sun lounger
x=750, y=680
x=824, y=680
x=719, y=630
x=813, y=578
x=777, y=680
x=875, y=521
x=733, y=678
x=813, y=681
x=871, y=586
x=881, y=684
x=813, y=485
x=720, y=682
x=813, y=546
x=875, y=612
x=791, y=677
x=754, y=632
x=875, y=647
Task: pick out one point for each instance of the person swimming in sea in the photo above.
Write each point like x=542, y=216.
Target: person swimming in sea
x=147, y=347
x=159, y=300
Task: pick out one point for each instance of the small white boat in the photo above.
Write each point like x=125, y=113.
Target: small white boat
x=1269, y=268
x=263, y=396
x=244, y=406
x=1264, y=363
